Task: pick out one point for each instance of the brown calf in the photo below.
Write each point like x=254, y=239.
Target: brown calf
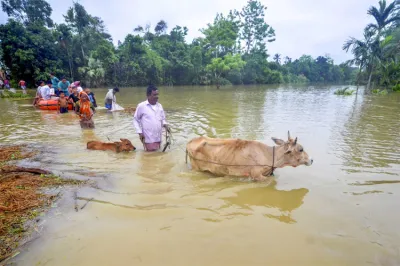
x=119, y=146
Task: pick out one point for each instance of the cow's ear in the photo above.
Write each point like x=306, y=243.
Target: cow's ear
x=278, y=141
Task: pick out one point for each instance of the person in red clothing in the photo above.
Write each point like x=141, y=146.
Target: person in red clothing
x=22, y=84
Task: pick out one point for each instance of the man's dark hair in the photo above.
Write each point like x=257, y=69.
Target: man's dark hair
x=52, y=74
x=116, y=89
x=63, y=78
x=151, y=88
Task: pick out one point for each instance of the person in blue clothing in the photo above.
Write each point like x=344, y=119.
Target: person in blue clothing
x=54, y=82
x=64, y=85
x=91, y=96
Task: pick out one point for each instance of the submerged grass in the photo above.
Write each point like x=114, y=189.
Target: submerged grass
x=344, y=91
x=21, y=199
x=15, y=95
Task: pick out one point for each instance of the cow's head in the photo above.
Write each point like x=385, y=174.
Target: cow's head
x=293, y=153
x=126, y=145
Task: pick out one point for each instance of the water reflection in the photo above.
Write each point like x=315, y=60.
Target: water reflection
x=370, y=135
x=249, y=124
x=155, y=166
x=283, y=201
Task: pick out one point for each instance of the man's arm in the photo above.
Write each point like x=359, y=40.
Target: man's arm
x=163, y=118
x=107, y=96
x=137, y=120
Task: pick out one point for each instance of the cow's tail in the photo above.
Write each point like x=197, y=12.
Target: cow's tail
x=186, y=156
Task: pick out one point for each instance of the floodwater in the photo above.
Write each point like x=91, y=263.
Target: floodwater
x=151, y=209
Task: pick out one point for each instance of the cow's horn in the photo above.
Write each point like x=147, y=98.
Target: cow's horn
x=288, y=135
x=295, y=141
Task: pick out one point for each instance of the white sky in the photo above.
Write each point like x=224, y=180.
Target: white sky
x=314, y=27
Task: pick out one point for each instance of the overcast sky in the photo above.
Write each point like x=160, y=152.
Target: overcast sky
x=314, y=27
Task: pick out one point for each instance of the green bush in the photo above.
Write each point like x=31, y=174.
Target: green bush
x=344, y=91
x=380, y=92
x=396, y=87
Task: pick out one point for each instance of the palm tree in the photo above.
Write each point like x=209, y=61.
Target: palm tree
x=384, y=16
x=368, y=52
x=94, y=72
x=365, y=54
x=277, y=58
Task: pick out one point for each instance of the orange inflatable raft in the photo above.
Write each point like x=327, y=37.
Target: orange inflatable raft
x=51, y=104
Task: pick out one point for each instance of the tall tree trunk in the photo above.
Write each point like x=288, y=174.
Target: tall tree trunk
x=369, y=80
x=80, y=40
x=69, y=58
x=70, y=68
x=358, y=80
x=70, y=64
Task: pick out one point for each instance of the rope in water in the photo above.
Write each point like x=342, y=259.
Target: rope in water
x=238, y=165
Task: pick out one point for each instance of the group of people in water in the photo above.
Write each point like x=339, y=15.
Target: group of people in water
x=149, y=119
x=66, y=94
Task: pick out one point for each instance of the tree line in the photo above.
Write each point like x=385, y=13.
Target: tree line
x=232, y=50
x=377, y=54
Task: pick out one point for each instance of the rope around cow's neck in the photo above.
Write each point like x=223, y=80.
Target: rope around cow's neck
x=238, y=165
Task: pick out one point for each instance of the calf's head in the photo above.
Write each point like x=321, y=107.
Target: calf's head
x=126, y=145
x=293, y=153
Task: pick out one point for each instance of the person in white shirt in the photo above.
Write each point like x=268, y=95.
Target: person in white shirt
x=149, y=120
x=44, y=91
x=110, y=98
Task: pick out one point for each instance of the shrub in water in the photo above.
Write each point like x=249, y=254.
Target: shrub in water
x=344, y=91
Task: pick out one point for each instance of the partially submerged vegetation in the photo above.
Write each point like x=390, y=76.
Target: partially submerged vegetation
x=379, y=92
x=14, y=95
x=21, y=197
x=344, y=91
x=396, y=88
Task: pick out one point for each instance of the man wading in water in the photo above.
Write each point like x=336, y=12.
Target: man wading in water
x=110, y=98
x=149, y=119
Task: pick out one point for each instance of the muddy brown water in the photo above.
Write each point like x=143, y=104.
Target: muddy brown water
x=151, y=209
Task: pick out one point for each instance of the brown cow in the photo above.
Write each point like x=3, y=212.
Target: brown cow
x=237, y=157
x=119, y=146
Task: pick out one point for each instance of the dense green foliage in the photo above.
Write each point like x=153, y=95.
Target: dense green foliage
x=232, y=50
x=377, y=55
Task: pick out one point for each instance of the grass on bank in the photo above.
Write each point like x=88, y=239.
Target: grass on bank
x=21, y=197
x=15, y=95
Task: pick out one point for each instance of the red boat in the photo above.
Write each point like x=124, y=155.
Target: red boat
x=51, y=104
